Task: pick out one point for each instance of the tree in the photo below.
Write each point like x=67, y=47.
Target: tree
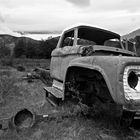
x=4, y=51
x=19, y=49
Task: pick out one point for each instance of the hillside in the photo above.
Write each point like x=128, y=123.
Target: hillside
x=133, y=34
x=26, y=47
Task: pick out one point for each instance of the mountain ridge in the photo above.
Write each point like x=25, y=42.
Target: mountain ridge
x=132, y=34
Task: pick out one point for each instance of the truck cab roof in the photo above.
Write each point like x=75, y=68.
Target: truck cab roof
x=95, y=34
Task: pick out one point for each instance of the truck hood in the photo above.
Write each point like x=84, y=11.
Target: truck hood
x=106, y=50
x=107, y=61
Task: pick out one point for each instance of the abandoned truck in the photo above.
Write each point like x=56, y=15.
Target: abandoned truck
x=96, y=64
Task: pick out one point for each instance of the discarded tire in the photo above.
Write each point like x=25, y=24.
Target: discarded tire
x=24, y=119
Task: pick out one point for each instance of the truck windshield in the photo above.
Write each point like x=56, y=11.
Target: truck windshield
x=110, y=43
x=95, y=36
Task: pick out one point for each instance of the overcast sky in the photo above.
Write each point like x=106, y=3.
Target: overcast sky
x=121, y=16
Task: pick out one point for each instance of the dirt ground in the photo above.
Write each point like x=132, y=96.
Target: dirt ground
x=65, y=122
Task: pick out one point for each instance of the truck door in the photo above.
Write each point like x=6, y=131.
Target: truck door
x=62, y=55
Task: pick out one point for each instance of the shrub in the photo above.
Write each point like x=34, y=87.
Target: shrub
x=4, y=51
x=19, y=49
x=34, y=49
x=20, y=68
x=8, y=87
x=6, y=61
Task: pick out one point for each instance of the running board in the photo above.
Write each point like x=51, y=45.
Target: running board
x=54, y=95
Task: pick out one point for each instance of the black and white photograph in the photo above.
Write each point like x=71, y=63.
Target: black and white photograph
x=69, y=70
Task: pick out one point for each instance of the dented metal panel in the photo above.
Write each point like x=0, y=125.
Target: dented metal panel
x=94, y=54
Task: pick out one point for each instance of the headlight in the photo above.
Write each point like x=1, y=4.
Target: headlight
x=132, y=79
x=131, y=82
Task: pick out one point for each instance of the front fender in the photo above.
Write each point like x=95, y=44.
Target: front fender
x=107, y=67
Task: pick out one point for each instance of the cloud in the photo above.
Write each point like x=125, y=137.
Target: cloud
x=17, y=3
x=1, y=17
x=80, y=3
x=111, y=5
x=131, y=6
x=120, y=15
x=4, y=28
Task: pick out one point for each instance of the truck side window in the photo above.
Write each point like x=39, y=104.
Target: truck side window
x=68, y=39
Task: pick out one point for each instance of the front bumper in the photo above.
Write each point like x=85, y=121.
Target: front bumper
x=137, y=115
x=133, y=108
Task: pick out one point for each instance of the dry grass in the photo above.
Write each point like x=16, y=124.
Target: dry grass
x=26, y=63
x=8, y=86
x=32, y=63
x=67, y=125
x=70, y=121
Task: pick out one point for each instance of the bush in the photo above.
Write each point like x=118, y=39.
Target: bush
x=7, y=87
x=20, y=68
x=34, y=49
x=19, y=49
x=47, y=47
x=6, y=61
x=4, y=51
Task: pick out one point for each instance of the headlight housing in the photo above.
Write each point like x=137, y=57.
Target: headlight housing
x=131, y=82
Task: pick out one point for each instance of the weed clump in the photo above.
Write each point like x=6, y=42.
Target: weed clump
x=8, y=87
x=6, y=61
x=20, y=68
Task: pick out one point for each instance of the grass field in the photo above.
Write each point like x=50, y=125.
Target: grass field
x=27, y=63
x=67, y=122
